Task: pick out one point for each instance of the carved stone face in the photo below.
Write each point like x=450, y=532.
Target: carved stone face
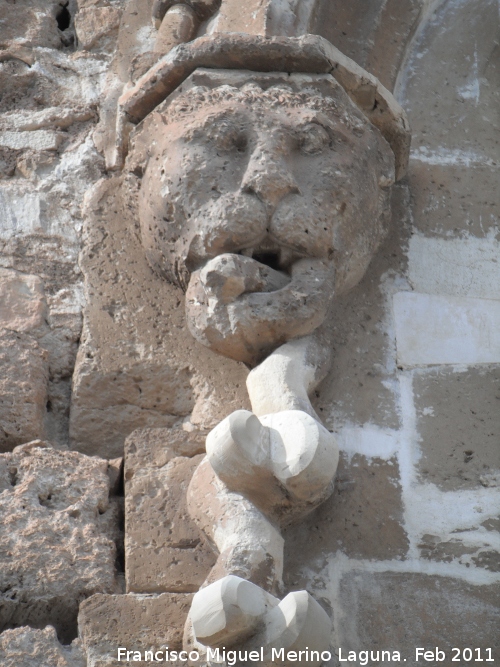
x=278, y=185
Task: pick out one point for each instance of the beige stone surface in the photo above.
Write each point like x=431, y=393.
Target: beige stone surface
x=24, y=378
x=359, y=388
x=56, y=541
x=153, y=372
x=136, y=622
x=35, y=25
x=92, y=24
x=402, y=611
x=250, y=18
x=454, y=198
x=26, y=647
x=449, y=330
x=152, y=448
x=458, y=127
x=374, y=34
x=22, y=301
x=461, y=412
x=164, y=549
x=362, y=519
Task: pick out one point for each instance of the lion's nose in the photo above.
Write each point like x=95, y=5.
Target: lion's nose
x=268, y=177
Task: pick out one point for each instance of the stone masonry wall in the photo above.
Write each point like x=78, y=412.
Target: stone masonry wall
x=405, y=553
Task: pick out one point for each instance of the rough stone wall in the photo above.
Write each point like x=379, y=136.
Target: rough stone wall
x=406, y=551
x=51, y=78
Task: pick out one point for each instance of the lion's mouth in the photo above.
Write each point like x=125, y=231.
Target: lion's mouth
x=274, y=256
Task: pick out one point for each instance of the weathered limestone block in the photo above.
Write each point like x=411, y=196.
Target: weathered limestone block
x=93, y=24
x=24, y=377
x=250, y=18
x=46, y=115
x=132, y=356
x=24, y=363
x=50, y=327
x=462, y=38
x=26, y=647
x=35, y=25
x=451, y=198
x=136, y=622
x=374, y=35
x=404, y=610
x=56, y=544
x=164, y=549
x=22, y=301
x=37, y=140
x=461, y=412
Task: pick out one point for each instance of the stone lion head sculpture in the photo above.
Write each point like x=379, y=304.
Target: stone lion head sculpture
x=263, y=196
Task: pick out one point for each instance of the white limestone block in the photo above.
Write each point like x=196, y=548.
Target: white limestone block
x=433, y=330
x=457, y=267
x=38, y=140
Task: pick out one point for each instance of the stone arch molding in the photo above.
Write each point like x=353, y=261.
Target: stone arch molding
x=266, y=165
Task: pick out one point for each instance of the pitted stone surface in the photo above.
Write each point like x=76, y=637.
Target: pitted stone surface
x=404, y=610
x=26, y=647
x=461, y=412
x=97, y=26
x=136, y=622
x=164, y=549
x=448, y=199
x=36, y=25
x=56, y=543
x=22, y=301
x=24, y=376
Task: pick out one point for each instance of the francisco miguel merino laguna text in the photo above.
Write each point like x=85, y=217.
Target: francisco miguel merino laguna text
x=232, y=657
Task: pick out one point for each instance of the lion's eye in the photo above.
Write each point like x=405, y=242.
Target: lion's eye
x=313, y=139
x=226, y=137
